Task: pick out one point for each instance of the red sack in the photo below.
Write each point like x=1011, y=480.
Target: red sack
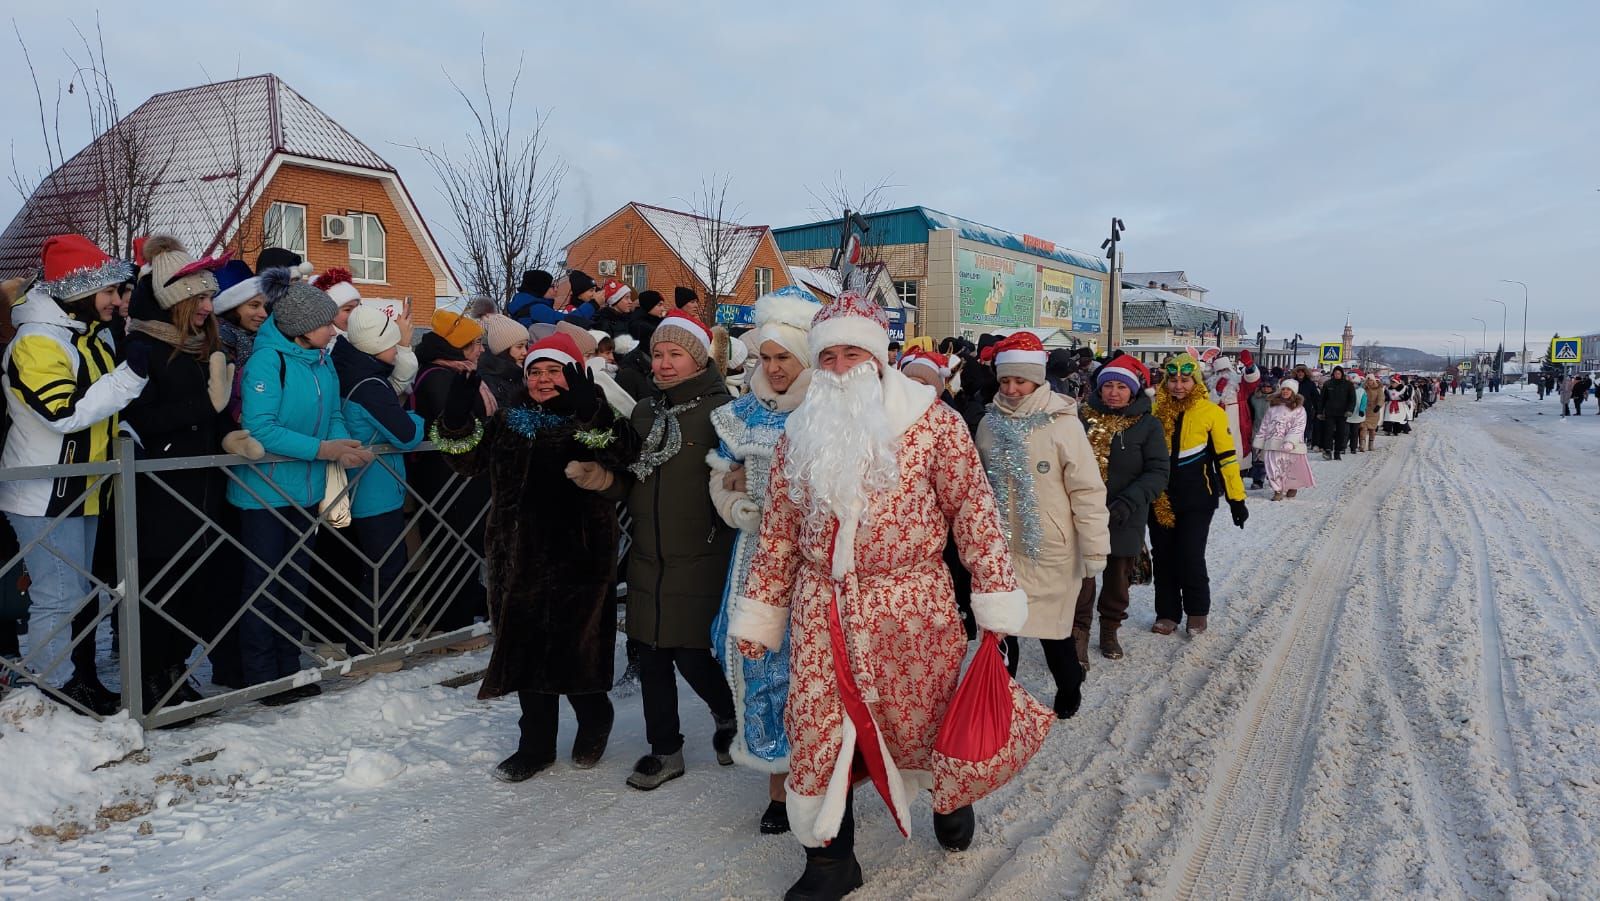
x=991, y=730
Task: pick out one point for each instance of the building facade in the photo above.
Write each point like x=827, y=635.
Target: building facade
x=963, y=278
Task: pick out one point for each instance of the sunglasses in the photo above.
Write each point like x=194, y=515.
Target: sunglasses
x=1180, y=369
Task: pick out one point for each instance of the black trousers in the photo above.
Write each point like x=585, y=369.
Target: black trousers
x=541, y=718
x=1061, y=655
x=658, y=688
x=1179, y=556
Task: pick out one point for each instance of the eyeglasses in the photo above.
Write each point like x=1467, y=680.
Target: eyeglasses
x=1180, y=369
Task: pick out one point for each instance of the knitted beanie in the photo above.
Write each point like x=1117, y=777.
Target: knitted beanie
x=585, y=342
x=458, y=330
x=682, y=297
x=579, y=282
x=649, y=300
x=175, y=276
x=371, y=331
x=1125, y=369
x=501, y=332
x=301, y=308
x=685, y=331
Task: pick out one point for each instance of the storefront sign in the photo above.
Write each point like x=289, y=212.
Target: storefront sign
x=1086, y=305
x=1056, y=301
x=897, y=324
x=735, y=314
x=996, y=291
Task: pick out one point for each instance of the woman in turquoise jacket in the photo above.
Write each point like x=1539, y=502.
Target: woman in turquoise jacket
x=373, y=415
x=291, y=404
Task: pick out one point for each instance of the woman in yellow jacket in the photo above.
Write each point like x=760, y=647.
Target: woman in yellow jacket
x=1204, y=469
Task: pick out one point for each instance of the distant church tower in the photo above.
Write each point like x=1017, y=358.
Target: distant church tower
x=1349, y=340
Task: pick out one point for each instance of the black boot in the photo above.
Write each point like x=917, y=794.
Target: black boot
x=722, y=740
x=590, y=743
x=954, y=829
x=522, y=766
x=825, y=879
x=187, y=692
x=776, y=820
x=91, y=694
x=1069, y=695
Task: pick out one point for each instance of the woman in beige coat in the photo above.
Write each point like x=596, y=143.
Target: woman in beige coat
x=1051, y=499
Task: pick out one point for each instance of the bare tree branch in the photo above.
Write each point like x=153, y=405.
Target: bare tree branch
x=717, y=235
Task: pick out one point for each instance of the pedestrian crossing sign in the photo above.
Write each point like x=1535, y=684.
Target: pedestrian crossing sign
x=1566, y=350
x=1332, y=353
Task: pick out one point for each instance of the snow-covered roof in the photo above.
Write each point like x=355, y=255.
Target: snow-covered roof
x=1155, y=308
x=210, y=149
x=1175, y=279
x=685, y=236
x=1049, y=337
x=817, y=278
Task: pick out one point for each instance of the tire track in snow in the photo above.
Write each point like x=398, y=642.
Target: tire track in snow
x=1271, y=732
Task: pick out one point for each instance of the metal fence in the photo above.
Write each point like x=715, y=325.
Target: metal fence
x=350, y=621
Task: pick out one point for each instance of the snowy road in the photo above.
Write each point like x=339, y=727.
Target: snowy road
x=1397, y=697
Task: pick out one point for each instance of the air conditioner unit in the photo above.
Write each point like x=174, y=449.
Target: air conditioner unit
x=338, y=228
x=608, y=267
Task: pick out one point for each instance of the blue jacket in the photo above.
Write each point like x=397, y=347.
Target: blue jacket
x=290, y=401
x=527, y=309
x=374, y=415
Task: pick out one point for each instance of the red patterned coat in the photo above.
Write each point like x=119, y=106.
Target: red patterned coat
x=884, y=698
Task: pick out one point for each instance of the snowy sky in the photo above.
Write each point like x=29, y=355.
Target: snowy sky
x=1300, y=160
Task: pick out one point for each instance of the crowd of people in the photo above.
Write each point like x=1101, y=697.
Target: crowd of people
x=805, y=522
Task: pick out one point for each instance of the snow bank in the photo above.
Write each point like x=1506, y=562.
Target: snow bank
x=52, y=759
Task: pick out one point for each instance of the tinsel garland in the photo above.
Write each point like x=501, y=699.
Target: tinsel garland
x=595, y=439
x=529, y=422
x=88, y=280
x=1168, y=409
x=1013, y=467
x=456, y=446
x=663, y=442
x=1102, y=427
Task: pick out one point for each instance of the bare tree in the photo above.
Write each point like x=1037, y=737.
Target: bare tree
x=122, y=167
x=502, y=190
x=224, y=190
x=1368, y=354
x=717, y=236
x=833, y=198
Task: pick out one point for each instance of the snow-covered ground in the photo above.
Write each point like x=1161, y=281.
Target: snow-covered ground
x=1397, y=698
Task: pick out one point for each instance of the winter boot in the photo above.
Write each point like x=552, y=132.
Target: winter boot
x=92, y=695
x=1292, y=492
x=522, y=766
x=1164, y=627
x=776, y=819
x=1196, y=625
x=1277, y=495
x=825, y=879
x=187, y=692
x=722, y=740
x=1110, y=648
x=589, y=745
x=954, y=829
x=1080, y=643
x=1069, y=696
x=655, y=770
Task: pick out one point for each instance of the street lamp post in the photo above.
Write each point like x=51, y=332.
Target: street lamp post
x=1499, y=360
x=1463, y=342
x=1485, y=331
x=1512, y=281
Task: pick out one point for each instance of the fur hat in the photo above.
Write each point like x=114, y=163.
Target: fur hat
x=301, y=308
x=501, y=332
x=850, y=320
x=457, y=330
x=1125, y=369
x=784, y=317
x=622, y=345
x=75, y=268
x=679, y=328
x=1022, y=356
x=175, y=276
x=371, y=331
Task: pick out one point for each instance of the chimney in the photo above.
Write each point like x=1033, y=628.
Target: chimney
x=1152, y=284
x=1163, y=286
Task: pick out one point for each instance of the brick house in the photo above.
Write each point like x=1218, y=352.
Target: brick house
x=242, y=165
x=652, y=247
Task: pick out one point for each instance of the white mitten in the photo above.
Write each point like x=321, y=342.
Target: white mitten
x=746, y=515
x=219, y=382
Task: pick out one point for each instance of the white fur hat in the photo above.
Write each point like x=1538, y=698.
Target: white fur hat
x=784, y=317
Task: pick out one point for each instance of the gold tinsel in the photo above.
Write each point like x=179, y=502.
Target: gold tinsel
x=1168, y=409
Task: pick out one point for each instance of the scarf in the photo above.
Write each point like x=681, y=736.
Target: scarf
x=238, y=343
x=167, y=333
x=665, y=438
x=1011, y=472
x=1168, y=411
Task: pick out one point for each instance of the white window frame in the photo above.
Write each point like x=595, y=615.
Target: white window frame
x=366, y=258
x=763, y=275
x=636, y=276
x=909, y=297
x=271, y=240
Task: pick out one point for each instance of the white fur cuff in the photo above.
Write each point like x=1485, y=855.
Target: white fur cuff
x=718, y=462
x=754, y=621
x=1004, y=612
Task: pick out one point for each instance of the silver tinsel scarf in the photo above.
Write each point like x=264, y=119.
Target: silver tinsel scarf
x=663, y=442
x=1011, y=472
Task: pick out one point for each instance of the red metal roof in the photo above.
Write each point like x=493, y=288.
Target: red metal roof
x=209, y=143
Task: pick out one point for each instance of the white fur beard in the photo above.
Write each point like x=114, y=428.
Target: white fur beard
x=840, y=447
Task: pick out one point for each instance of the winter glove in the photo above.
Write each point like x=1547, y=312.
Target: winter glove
x=1121, y=511
x=746, y=515
x=581, y=394
x=462, y=404
x=239, y=443
x=137, y=358
x=219, y=384
x=1247, y=358
x=589, y=476
x=734, y=480
x=347, y=453
x=1240, y=514
x=1093, y=566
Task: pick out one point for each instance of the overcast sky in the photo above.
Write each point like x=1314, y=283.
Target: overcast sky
x=1301, y=160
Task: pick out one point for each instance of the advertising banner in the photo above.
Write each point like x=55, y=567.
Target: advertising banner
x=996, y=291
x=729, y=315
x=1086, y=304
x=1057, y=304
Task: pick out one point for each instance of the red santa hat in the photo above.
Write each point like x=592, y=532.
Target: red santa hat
x=337, y=284
x=850, y=320
x=558, y=347
x=1022, y=356
x=929, y=359
x=1125, y=369
x=74, y=268
x=679, y=328
x=613, y=291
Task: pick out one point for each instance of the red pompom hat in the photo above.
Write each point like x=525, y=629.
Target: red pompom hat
x=1127, y=370
x=1021, y=356
x=558, y=347
x=933, y=360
